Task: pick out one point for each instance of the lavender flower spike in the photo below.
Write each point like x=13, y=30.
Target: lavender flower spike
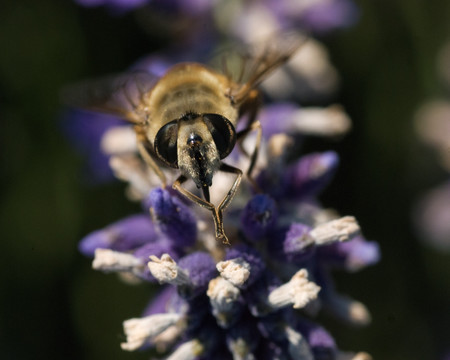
x=240, y=302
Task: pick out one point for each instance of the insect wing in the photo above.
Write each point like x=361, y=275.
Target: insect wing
x=121, y=95
x=249, y=67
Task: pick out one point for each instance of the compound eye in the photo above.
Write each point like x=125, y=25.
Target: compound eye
x=222, y=131
x=166, y=144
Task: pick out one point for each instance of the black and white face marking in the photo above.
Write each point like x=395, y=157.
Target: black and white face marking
x=195, y=144
x=198, y=157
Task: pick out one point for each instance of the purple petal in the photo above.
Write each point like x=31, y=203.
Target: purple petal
x=259, y=217
x=277, y=118
x=330, y=16
x=351, y=255
x=174, y=218
x=159, y=304
x=298, y=245
x=124, y=235
x=310, y=174
x=321, y=342
x=201, y=268
x=157, y=249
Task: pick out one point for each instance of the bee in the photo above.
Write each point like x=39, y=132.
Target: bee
x=186, y=119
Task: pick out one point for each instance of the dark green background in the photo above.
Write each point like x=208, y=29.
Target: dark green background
x=53, y=306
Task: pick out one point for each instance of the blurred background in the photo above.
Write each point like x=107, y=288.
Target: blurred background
x=54, y=306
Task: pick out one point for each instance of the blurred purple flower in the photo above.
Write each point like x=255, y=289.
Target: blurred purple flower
x=330, y=15
x=190, y=7
x=84, y=130
x=117, y=6
x=124, y=235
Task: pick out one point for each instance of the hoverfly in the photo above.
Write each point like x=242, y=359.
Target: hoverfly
x=186, y=119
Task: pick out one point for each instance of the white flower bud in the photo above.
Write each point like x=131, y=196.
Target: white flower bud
x=297, y=292
x=108, y=261
x=166, y=270
x=338, y=230
x=236, y=271
x=140, y=331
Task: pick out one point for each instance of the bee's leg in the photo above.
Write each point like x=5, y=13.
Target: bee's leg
x=151, y=162
x=256, y=125
x=216, y=213
x=227, y=199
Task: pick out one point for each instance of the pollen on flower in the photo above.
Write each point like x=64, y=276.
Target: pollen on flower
x=236, y=271
x=108, y=260
x=223, y=296
x=297, y=292
x=342, y=229
x=141, y=331
x=165, y=270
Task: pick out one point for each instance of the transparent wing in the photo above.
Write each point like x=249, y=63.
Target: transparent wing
x=121, y=95
x=251, y=63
